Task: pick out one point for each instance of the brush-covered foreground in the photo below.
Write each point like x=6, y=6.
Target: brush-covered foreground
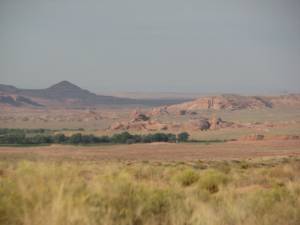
x=252, y=192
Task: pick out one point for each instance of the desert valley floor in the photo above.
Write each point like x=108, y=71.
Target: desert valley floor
x=240, y=165
x=158, y=151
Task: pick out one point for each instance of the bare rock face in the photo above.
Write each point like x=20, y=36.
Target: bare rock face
x=291, y=100
x=218, y=123
x=206, y=124
x=182, y=112
x=187, y=113
x=201, y=103
x=215, y=122
x=228, y=102
x=159, y=111
x=201, y=124
x=140, y=122
x=117, y=126
x=143, y=122
x=156, y=126
x=138, y=117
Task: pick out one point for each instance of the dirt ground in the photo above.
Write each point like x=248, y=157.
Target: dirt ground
x=157, y=151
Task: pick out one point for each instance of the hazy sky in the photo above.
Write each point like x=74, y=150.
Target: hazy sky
x=152, y=45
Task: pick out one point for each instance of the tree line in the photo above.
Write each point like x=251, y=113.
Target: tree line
x=78, y=138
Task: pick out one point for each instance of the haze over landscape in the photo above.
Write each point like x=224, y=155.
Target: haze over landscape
x=114, y=46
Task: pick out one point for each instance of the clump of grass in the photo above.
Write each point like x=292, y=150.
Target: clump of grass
x=273, y=206
x=188, y=177
x=211, y=180
x=282, y=172
x=200, y=165
x=223, y=166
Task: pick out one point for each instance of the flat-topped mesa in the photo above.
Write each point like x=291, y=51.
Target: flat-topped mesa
x=230, y=102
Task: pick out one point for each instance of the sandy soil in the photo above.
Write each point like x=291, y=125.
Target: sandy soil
x=157, y=152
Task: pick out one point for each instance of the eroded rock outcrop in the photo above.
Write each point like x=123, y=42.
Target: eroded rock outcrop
x=229, y=102
x=142, y=122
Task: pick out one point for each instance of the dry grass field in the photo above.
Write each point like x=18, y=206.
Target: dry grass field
x=205, y=183
x=234, y=183
x=54, y=191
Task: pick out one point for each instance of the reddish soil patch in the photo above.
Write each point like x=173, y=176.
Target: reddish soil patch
x=169, y=152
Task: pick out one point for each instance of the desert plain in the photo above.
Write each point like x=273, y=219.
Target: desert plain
x=239, y=165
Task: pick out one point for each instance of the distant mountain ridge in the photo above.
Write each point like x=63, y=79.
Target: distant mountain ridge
x=65, y=93
x=18, y=101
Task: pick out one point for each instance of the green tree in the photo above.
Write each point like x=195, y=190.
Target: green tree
x=183, y=137
x=121, y=138
x=59, y=138
x=75, y=138
x=171, y=137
